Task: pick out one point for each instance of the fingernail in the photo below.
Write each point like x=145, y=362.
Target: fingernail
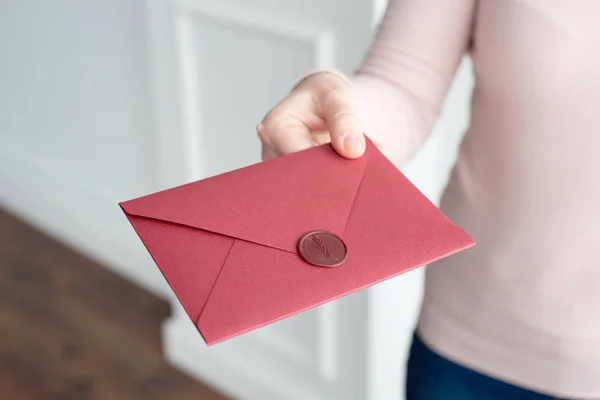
x=354, y=145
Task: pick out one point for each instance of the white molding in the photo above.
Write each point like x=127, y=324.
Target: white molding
x=191, y=106
x=177, y=105
x=250, y=18
x=328, y=345
x=178, y=108
x=321, y=38
x=324, y=49
x=173, y=168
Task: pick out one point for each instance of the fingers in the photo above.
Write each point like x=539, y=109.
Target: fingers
x=339, y=110
x=323, y=109
x=268, y=153
x=286, y=129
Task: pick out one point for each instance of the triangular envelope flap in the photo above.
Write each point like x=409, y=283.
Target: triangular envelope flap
x=189, y=259
x=272, y=203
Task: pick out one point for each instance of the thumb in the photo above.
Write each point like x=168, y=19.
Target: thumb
x=339, y=110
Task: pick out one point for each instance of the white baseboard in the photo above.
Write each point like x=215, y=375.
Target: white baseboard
x=75, y=213
x=230, y=367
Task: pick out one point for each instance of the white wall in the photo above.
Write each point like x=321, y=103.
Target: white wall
x=74, y=136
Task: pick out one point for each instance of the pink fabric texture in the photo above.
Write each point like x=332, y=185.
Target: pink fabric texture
x=524, y=304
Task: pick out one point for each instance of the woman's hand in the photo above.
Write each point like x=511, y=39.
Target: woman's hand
x=322, y=108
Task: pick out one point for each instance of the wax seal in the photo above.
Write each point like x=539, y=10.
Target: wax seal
x=323, y=249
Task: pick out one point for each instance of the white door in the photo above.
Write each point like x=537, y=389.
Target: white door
x=106, y=100
x=218, y=67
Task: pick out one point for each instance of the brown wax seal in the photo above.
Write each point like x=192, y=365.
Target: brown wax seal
x=323, y=249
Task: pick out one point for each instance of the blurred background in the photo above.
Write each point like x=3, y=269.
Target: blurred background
x=102, y=101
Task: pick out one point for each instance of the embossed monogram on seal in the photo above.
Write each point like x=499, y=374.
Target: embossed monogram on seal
x=323, y=249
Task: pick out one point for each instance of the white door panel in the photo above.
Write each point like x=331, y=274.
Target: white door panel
x=230, y=63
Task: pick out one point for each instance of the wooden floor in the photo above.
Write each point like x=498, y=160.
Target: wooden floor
x=70, y=329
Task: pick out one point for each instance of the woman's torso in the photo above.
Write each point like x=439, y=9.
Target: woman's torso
x=524, y=304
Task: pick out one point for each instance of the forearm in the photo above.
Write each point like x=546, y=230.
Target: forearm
x=404, y=78
x=396, y=120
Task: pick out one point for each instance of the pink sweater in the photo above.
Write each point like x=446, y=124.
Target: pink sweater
x=524, y=304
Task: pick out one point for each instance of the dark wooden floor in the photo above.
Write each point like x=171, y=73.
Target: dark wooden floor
x=70, y=329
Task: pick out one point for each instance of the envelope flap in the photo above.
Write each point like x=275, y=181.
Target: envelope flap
x=272, y=203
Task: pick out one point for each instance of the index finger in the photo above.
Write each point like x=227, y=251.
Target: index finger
x=284, y=129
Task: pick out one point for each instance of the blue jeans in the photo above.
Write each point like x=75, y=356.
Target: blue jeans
x=433, y=377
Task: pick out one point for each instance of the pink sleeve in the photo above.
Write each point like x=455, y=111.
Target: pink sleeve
x=405, y=76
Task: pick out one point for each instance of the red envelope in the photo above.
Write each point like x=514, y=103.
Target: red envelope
x=228, y=245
